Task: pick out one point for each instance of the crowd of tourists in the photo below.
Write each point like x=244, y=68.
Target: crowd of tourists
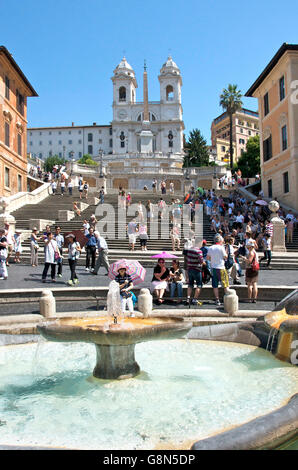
x=241, y=228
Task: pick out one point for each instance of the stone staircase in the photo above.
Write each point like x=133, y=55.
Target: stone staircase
x=119, y=247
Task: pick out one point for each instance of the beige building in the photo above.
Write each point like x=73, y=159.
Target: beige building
x=245, y=125
x=14, y=90
x=277, y=92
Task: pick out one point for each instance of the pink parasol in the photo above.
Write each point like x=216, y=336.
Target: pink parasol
x=261, y=202
x=164, y=255
x=133, y=268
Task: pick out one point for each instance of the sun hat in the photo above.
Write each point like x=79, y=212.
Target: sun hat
x=122, y=266
x=70, y=235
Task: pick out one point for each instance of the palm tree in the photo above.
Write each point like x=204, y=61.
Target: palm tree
x=230, y=100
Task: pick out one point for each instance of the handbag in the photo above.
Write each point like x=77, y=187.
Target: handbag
x=255, y=266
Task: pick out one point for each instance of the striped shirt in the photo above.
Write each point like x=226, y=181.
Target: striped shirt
x=194, y=258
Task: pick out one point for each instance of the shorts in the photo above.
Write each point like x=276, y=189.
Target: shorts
x=219, y=276
x=194, y=276
x=132, y=238
x=143, y=241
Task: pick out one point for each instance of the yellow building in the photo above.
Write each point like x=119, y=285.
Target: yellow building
x=245, y=125
x=223, y=150
x=277, y=92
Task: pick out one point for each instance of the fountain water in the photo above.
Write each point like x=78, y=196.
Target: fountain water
x=114, y=336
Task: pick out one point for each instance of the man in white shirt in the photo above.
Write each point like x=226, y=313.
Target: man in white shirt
x=217, y=256
x=102, y=254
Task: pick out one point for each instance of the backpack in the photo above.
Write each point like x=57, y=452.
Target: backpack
x=230, y=261
x=206, y=275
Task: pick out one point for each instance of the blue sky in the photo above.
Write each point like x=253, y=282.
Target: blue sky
x=68, y=50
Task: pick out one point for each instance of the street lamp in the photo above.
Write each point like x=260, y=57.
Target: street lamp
x=100, y=153
x=71, y=154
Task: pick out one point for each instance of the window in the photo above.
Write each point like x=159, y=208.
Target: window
x=7, y=132
x=40, y=133
x=79, y=141
x=30, y=133
x=59, y=142
x=59, y=132
x=40, y=142
x=90, y=149
x=30, y=143
x=267, y=148
x=50, y=153
x=80, y=132
x=50, y=142
x=122, y=93
x=111, y=142
x=20, y=103
x=284, y=138
x=19, y=144
x=100, y=141
x=170, y=93
x=241, y=130
x=69, y=132
x=286, y=182
x=223, y=148
x=40, y=155
x=99, y=131
x=50, y=133
x=6, y=177
x=111, y=131
x=70, y=142
x=241, y=141
x=269, y=188
x=90, y=137
x=266, y=104
x=282, y=93
x=19, y=183
x=7, y=87
x=60, y=154
x=249, y=132
x=80, y=154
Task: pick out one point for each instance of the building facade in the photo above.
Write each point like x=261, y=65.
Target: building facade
x=245, y=125
x=143, y=141
x=276, y=91
x=14, y=90
x=70, y=142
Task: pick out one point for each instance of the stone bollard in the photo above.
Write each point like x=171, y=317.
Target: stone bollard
x=145, y=302
x=231, y=302
x=47, y=304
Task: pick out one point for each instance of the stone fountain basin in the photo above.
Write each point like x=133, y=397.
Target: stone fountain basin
x=102, y=331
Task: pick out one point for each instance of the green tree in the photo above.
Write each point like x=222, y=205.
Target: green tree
x=87, y=160
x=249, y=162
x=230, y=100
x=197, y=150
x=50, y=162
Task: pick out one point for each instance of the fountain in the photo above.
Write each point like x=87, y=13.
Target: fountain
x=173, y=403
x=114, y=336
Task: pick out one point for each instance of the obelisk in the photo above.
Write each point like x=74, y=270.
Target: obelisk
x=146, y=134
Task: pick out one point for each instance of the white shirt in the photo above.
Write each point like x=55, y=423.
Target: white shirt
x=240, y=218
x=290, y=216
x=49, y=252
x=217, y=255
x=86, y=229
x=101, y=243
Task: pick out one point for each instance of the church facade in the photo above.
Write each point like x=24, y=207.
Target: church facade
x=143, y=141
